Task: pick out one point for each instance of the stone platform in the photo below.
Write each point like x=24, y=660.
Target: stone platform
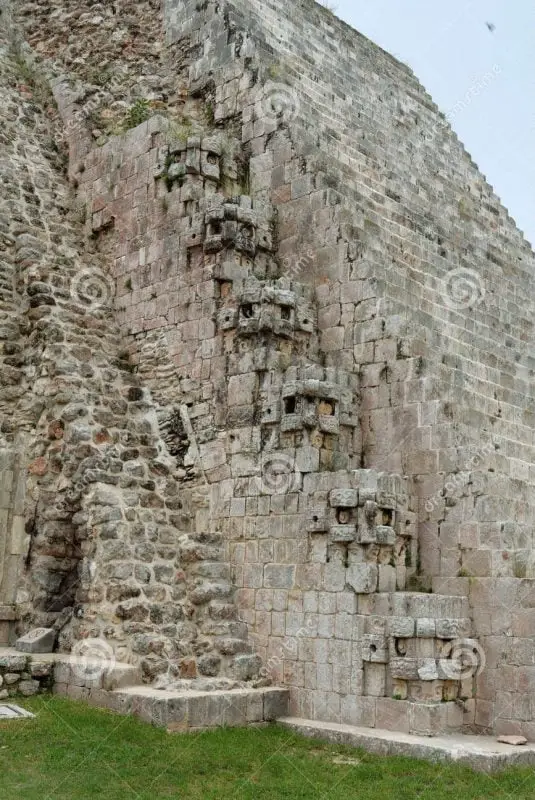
x=117, y=687
x=481, y=753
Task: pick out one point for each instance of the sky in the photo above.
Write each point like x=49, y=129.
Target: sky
x=451, y=50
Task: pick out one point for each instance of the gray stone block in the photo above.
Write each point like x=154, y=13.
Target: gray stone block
x=362, y=578
x=38, y=640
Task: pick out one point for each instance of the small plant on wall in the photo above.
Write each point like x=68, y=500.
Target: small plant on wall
x=139, y=112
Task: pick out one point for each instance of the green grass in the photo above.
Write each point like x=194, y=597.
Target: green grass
x=71, y=751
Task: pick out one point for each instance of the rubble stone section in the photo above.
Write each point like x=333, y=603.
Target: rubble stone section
x=262, y=440
x=105, y=544
x=19, y=675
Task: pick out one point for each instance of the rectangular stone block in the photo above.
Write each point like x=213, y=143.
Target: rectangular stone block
x=307, y=459
x=376, y=534
x=374, y=679
x=342, y=533
x=392, y=715
x=425, y=628
x=279, y=576
x=317, y=521
x=387, y=578
x=374, y=648
x=344, y=498
x=453, y=628
x=401, y=627
x=363, y=578
x=431, y=719
x=38, y=640
x=359, y=711
x=404, y=668
x=276, y=703
x=428, y=669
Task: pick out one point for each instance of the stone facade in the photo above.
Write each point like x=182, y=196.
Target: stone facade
x=276, y=413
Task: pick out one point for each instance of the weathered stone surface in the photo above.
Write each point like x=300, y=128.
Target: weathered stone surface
x=14, y=712
x=37, y=640
x=513, y=740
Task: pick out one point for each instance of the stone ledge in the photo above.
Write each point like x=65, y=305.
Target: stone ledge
x=186, y=711
x=480, y=753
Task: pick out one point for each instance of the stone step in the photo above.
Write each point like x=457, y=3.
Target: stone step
x=481, y=753
x=93, y=672
x=182, y=711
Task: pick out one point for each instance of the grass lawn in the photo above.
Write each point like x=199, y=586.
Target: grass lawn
x=71, y=751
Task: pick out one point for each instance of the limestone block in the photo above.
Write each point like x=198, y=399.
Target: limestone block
x=427, y=669
x=430, y=719
x=385, y=535
x=28, y=688
x=387, y=578
x=425, y=628
x=38, y=640
x=342, y=533
x=362, y=578
x=401, y=627
x=271, y=412
x=241, y=389
x=374, y=679
x=307, y=459
x=392, y=715
x=375, y=648
x=227, y=319
x=328, y=423
x=317, y=521
x=13, y=663
x=359, y=711
x=404, y=668
x=343, y=498
x=453, y=628
x=276, y=702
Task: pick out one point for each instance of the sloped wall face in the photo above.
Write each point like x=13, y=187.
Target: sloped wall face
x=382, y=211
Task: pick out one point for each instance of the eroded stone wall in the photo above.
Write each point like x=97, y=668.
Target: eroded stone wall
x=110, y=551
